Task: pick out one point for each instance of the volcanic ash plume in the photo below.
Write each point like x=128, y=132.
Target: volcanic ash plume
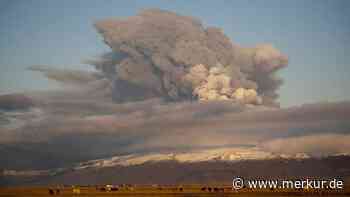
x=161, y=54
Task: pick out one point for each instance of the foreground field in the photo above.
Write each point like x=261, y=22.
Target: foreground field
x=166, y=191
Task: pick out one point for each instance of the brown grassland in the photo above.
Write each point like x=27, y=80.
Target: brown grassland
x=166, y=191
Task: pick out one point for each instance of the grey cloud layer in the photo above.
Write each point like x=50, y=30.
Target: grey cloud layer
x=316, y=145
x=154, y=125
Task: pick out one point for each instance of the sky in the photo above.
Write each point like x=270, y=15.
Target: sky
x=314, y=35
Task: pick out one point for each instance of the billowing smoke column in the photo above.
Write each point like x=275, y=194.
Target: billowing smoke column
x=215, y=84
x=161, y=54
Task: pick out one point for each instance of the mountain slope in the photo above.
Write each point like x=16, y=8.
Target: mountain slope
x=174, y=172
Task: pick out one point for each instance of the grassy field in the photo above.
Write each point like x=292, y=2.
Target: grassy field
x=166, y=191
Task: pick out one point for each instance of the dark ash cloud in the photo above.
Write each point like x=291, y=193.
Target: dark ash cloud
x=154, y=50
x=15, y=102
x=154, y=126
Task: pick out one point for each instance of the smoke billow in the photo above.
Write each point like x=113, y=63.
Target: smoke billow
x=161, y=54
x=73, y=77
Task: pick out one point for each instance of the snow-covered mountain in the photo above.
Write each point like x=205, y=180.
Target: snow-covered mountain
x=174, y=172
x=220, y=154
x=205, y=155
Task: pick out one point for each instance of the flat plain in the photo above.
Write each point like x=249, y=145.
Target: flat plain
x=162, y=191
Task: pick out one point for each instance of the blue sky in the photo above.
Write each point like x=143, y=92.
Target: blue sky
x=315, y=34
